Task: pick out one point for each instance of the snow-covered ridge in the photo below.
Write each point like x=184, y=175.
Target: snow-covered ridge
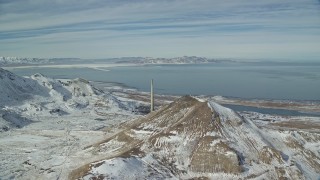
x=14, y=88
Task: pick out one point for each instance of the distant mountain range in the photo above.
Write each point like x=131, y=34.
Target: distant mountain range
x=25, y=61
x=135, y=60
x=17, y=60
x=176, y=60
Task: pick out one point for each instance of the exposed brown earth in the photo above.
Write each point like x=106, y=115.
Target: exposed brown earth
x=298, y=125
x=268, y=154
x=308, y=107
x=217, y=158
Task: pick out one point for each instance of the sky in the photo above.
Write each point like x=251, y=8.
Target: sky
x=241, y=29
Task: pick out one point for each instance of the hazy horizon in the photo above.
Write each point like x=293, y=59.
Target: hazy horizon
x=240, y=60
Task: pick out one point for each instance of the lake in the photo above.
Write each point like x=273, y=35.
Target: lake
x=279, y=112
x=263, y=80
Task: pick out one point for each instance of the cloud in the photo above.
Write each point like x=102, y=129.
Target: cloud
x=159, y=28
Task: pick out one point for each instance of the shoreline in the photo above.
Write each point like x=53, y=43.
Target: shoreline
x=300, y=107
x=94, y=66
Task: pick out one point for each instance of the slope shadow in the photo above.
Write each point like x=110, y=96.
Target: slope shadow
x=12, y=120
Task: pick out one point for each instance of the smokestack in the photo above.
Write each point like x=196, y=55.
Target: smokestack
x=151, y=97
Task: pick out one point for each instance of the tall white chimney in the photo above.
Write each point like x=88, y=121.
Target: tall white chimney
x=151, y=97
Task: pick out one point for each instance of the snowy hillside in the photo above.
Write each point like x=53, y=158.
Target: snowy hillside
x=43, y=121
x=15, y=89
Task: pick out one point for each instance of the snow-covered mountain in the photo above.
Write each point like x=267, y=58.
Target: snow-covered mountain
x=190, y=139
x=46, y=96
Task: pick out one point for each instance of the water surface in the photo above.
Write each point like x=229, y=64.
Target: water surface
x=291, y=81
